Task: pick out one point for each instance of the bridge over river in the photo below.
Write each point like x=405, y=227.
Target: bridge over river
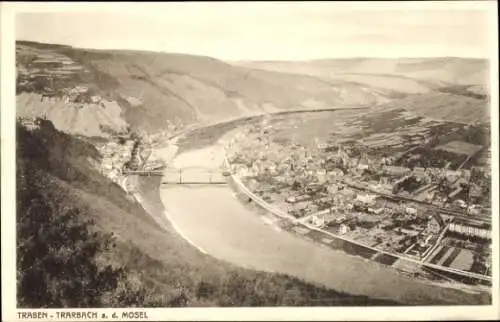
x=187, y=175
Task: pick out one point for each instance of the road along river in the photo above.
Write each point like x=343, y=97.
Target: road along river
x=211, y=218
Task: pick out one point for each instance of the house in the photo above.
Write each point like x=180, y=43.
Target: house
x=460, y=203
x=428, y=239
x=242, y=171
x=321, y=175
x=348, y=192
x=429, y=195
x=107, y=162
x=107, y=167
x=402, y=180
x=419, y=171
x=112, y=145
x=366, y=198
x=411, y=211
x=473, y=211
x=293, y=199
x=30, y=123
x=112, y=175
x=332, y=189
x=363, y=166
x=408, y=232
x=324, y=212
x=475, y=191
x=317, y=221
x=433, y=225
x=383, y=181
x=336, y=172
x=452, y=176
x=311, y=208
x=343, y=229
x=340, y=219
x=331, y=217
x=395, y=170
x=322, y=146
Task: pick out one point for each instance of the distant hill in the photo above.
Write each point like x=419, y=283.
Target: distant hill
x=448, y=88
x=425, y=72
x=101, y=92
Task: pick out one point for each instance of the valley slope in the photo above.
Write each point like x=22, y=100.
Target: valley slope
x=115, y=91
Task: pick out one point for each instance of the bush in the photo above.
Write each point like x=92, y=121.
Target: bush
x=60, y=252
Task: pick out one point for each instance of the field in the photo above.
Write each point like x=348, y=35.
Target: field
x=304, y=129
x=199, y=138
x=445, y=106
x=454, y=257
x=467, y=255
x=460, y=147
x=463, y=261
x=382, y=132
x=435, y=158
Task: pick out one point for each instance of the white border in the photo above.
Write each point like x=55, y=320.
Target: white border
x=8, y=11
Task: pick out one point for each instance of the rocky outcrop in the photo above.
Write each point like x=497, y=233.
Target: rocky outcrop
x=89, y=119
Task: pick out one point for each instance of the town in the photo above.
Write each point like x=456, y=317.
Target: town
x=391, y=199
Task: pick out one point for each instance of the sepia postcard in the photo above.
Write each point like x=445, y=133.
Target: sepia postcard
x=249, y=161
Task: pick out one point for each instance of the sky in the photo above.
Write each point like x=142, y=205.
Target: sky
x=268, y=31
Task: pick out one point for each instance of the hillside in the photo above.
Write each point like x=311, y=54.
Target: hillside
x=447, y=88
x=77, y=229
x=460, y=108
x=89, y=119
x=101, y=92
x=417, y=72
x=155, y=91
